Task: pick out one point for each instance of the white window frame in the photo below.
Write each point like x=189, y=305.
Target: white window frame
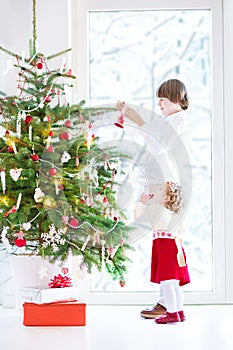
x=221, y=138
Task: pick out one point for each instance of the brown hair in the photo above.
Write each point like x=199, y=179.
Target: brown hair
x=175, y=91
x=173, y=198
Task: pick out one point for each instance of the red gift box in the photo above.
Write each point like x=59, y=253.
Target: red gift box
x=59, y=313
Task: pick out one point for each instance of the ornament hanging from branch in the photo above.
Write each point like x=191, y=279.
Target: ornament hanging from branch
x=65, y=157
x=15, y=173
x=38, y=195
x=73, y=222
x=20, y=241
x=3, y=180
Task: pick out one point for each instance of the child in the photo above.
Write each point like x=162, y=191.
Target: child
x=168, y=136
x=173, y=132
x=173, y=100
x=168, y=261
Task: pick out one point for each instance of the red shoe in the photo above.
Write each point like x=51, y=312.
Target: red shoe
x=182, y=316
x=168, y=317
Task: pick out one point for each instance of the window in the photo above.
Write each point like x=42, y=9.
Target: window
x=127, y=51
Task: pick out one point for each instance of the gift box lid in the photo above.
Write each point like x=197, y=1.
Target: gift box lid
x=47, y=295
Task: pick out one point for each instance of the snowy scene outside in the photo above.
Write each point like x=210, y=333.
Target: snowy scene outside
x=131, y=54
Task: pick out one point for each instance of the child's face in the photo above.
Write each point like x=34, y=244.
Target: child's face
x=167, y=107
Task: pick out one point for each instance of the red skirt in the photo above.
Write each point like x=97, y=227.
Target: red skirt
x=164, y=264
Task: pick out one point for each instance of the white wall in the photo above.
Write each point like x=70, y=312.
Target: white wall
x=16, y=30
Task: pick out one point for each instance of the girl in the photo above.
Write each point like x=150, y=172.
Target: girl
x=167, y=135
x=173, y=100
x=168, y=260
x=173, y=133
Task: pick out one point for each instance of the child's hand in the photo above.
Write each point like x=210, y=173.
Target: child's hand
x=130, y=113
x=120, y=105
x=145, y=197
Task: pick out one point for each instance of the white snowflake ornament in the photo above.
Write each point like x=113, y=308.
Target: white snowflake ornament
x=65, y=157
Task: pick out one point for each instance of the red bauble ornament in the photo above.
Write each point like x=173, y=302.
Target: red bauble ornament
x=10, y=149
x=68, y=124
x=50, y=149
x=28, y=119
x=83, y=200
x=47, y=99
x=121, y=241
x=64, y=136
x=73, y=222
x=122, y=283
x=61, y=187
x=69, y=73
x=7, y=133
x=39, y=65
x=52, y=171
x=110, y=250
x=20, y=242
x=51, y=133
x=35, y=157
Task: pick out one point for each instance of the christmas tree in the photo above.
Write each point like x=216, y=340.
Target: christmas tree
x=58, y=187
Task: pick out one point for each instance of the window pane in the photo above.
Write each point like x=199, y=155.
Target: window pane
x=131, y=53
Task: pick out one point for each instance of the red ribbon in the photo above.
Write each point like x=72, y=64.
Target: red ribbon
x=60, y=281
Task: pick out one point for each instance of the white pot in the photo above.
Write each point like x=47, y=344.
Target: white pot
x=32, y=271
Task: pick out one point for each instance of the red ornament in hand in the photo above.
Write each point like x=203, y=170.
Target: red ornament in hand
x=120, y=122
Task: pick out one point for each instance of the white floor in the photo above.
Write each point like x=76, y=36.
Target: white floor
x=121, y=328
